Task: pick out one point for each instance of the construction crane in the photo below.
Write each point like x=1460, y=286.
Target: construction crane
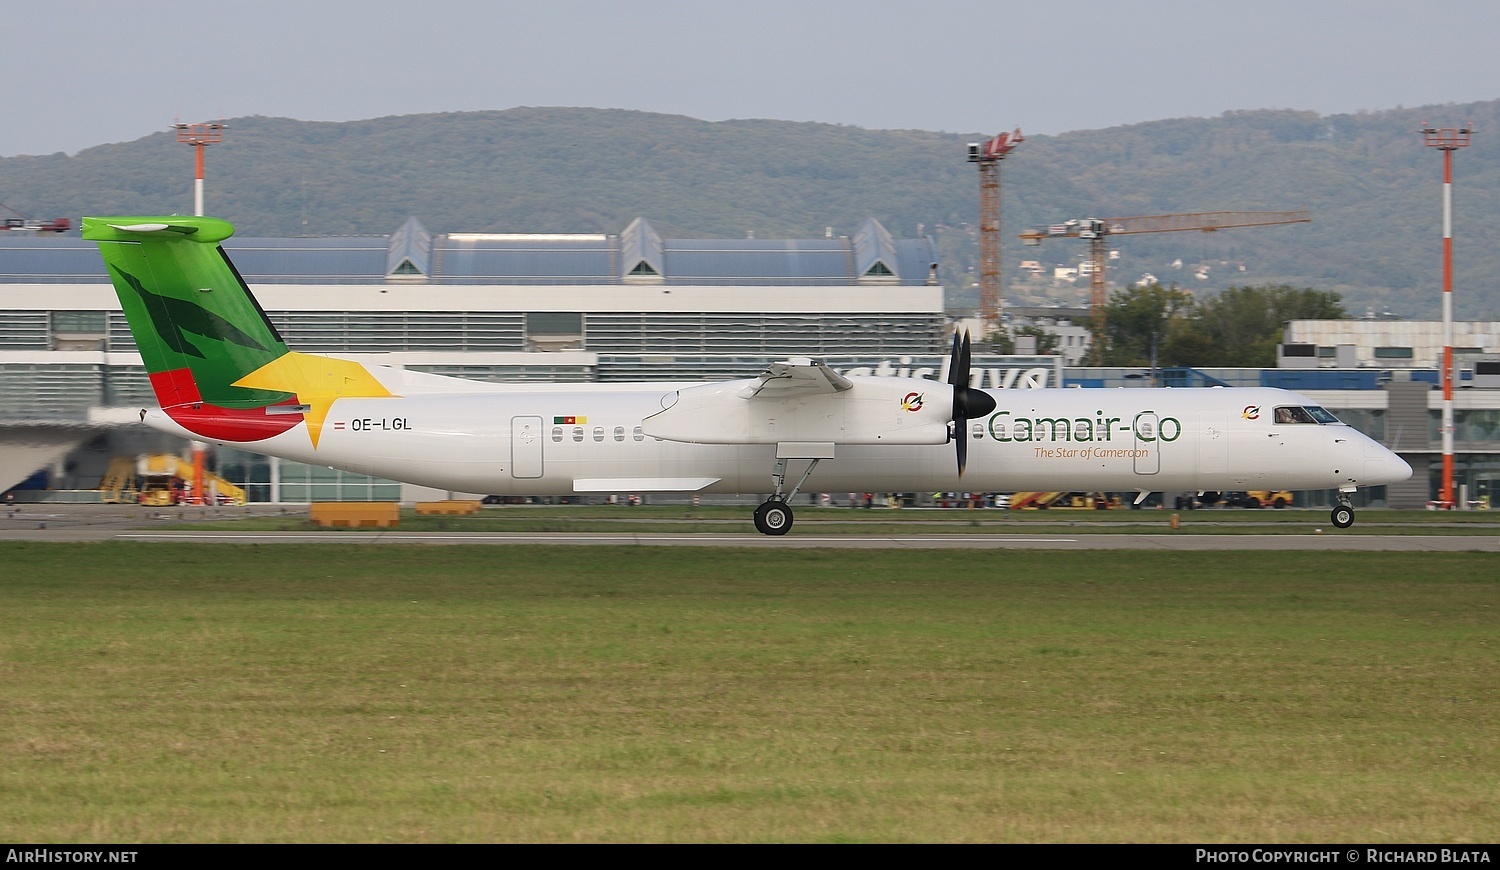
x=22, y=223
x=1098, y=231
x=988, y=155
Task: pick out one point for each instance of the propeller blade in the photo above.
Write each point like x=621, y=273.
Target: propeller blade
x=967, y=402
x=953, y=373
x=962, y=439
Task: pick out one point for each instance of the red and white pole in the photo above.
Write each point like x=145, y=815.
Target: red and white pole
x=200, y=136
x=1447, y=491
x=1447, y=140
x=198, y=180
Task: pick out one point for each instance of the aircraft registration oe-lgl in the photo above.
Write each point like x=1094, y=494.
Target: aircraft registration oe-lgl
x=222, y=373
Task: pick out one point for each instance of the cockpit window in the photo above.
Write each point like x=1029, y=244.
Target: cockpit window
x=1309, y=414
x=1293, y=414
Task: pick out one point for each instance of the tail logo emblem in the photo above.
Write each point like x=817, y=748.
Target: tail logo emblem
x=172, y=317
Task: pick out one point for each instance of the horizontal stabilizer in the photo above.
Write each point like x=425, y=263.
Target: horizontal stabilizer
x=204, y=230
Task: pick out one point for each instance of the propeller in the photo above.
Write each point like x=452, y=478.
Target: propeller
x=967, y=401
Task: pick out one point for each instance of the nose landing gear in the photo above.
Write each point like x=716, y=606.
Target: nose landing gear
x=1343, y=513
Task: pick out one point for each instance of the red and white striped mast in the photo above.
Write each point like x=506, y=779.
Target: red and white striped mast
x=200, y=136
x=1447, y=140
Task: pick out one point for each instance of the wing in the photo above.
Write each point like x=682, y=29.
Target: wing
x=796, y=376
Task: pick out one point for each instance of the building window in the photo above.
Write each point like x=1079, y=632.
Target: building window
x=554, y=323
x=89, y=322
x=1393, y=353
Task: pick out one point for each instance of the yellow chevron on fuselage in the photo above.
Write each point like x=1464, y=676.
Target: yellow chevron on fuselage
x=318, y=381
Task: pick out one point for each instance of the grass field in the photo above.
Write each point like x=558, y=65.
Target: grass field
x=291, y=693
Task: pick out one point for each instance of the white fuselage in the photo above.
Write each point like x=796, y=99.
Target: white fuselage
x=568, y=439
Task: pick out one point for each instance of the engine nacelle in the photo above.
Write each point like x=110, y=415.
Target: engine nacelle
x=872, y=411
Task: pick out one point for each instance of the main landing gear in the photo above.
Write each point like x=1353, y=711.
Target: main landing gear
x=1343, y=513
x=774, y=516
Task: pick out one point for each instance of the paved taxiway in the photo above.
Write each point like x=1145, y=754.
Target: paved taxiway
x=72, y=523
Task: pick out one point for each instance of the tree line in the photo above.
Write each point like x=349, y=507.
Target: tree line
x=1238, y=328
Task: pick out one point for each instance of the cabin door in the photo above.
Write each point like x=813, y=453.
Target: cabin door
x=1147, y=429
x=525, y=447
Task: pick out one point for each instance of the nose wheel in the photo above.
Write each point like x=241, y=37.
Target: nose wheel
x=1342, y=516
x=773, y=518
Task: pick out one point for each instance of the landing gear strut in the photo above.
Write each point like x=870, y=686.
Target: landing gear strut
x=1343, y=513
x=774, y=516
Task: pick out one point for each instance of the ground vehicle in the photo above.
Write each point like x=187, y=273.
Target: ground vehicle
x=161, y=480
x=1258, y=498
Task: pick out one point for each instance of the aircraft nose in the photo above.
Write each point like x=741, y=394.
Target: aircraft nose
x=1388, y=468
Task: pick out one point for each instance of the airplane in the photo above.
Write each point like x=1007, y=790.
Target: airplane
x=222, y=374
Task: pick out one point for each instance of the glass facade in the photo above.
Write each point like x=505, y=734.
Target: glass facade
x=1469, y=425
x=264, y=479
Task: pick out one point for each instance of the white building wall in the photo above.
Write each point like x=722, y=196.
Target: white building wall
x=1424, y=337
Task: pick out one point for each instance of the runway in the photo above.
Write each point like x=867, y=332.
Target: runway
x=79, y=523
x=1164, y=542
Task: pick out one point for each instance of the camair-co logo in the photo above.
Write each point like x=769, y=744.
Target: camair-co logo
x=1146, y=426
x=1251, y=412
x=912, y=402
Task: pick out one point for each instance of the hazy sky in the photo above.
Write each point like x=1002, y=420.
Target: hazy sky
x=84, y=72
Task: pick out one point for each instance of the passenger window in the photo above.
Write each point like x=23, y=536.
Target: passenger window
x=977, y=431
x=577, y=433
x=557, y=433
x=619, y=433
x=637, y=434
x=598, y=433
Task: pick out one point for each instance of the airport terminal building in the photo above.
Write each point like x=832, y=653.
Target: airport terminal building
x=632, y=306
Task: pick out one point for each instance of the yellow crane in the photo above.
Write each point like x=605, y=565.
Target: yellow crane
x=1098, y=231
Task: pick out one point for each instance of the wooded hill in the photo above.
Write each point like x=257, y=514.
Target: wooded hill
x=1372, y=187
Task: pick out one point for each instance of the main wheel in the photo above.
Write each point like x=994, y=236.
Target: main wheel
x=773, y=518
x=1343, y=516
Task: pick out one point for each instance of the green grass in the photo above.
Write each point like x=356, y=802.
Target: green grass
x=341, y=693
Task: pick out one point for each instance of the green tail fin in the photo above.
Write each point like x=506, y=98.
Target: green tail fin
x=187, y=305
